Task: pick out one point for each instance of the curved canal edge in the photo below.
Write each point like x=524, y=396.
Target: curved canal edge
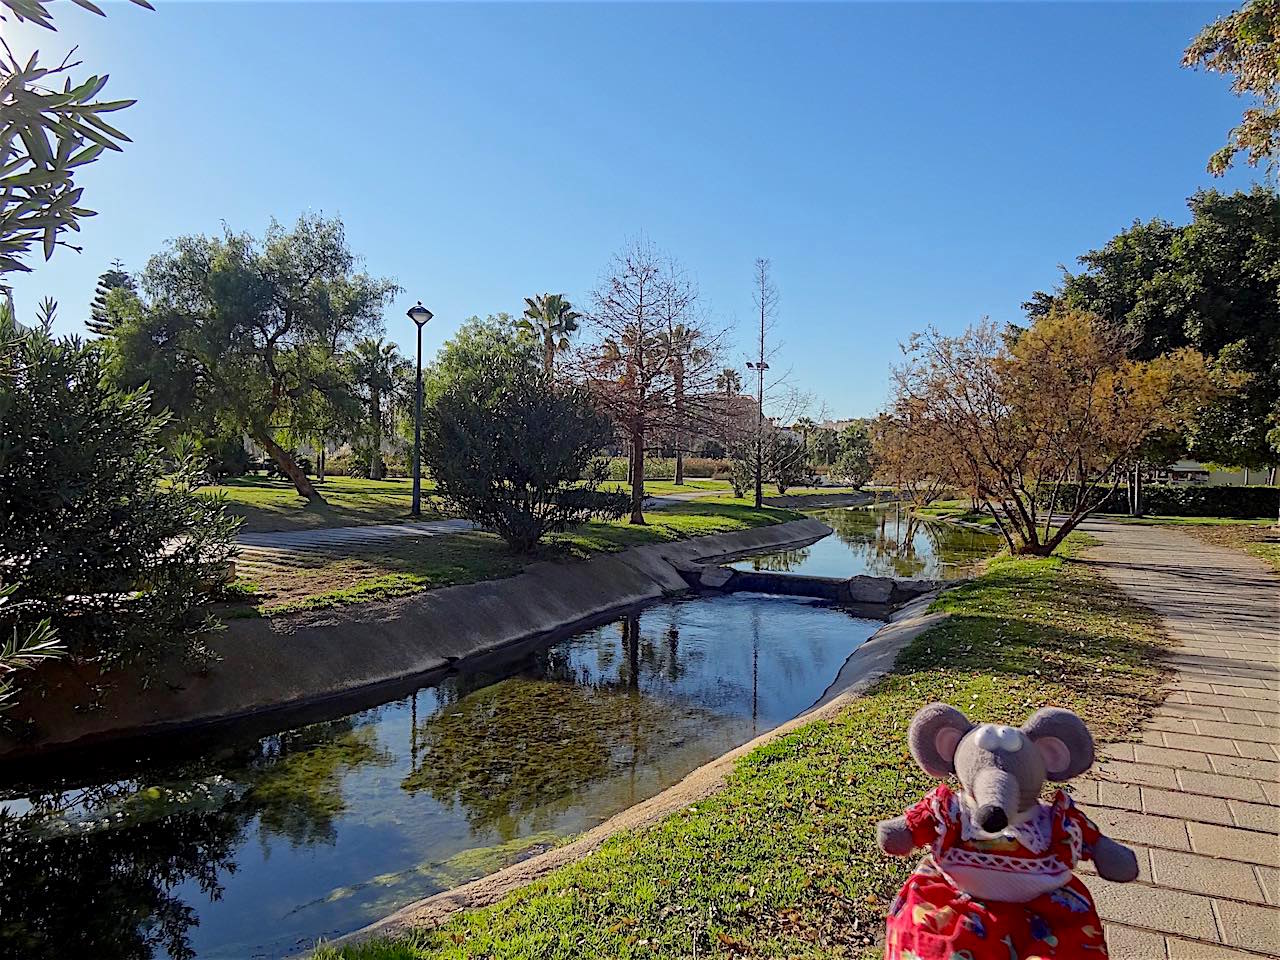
x=284, y=665
x=867, y=664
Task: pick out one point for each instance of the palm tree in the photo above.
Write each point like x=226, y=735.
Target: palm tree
x=681, y=345
x=376, y=365
x=806, y=426
x=729, y=381
x=551, y=317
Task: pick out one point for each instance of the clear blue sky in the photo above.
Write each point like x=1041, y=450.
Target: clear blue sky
x=900, y=164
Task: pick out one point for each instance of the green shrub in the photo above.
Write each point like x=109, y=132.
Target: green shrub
x=664, y=468
x=98, y=536
x=513, y=454
x=1176, y=500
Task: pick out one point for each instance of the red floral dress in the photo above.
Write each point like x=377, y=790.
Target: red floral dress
x=1008, y=897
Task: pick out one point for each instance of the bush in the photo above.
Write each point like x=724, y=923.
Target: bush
x=99, y=537
x=508, y=452
x=664, y=468
x=1176, y=500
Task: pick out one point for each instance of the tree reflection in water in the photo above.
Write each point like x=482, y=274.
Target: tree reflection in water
x=93, y=871
x=515, y=746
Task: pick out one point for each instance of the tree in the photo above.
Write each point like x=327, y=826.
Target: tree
x=514, y=454
x=46, y=135
x=729, y=382
x=628, y=368
x=854, y=461
x=104, y=538
x=689, y=361
x=1041, y=419
x=550, y=318
x=1245, y=45
x=826, y=445
x=785, y=463
x=1212, y=285
x=806, y=426
x=766, y=298
x=252, y=333
x=380, y=376
x=116, y=278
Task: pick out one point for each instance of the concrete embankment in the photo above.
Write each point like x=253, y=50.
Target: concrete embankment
x=268, y=666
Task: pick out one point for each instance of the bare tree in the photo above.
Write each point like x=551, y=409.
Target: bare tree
x=653, y=362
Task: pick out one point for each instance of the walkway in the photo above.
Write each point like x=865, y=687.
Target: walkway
x=364, y=535
x=1198, y=794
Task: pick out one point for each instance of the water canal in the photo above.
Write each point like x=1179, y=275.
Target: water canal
x=254, y=848
x=882, y=542
x=251, y=846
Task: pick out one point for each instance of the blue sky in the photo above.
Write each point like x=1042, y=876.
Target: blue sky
x=901, y=164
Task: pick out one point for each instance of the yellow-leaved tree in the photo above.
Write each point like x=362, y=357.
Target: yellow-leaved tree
x=1037, y=424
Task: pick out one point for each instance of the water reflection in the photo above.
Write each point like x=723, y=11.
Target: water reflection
x=253, y=848
x=882, y=542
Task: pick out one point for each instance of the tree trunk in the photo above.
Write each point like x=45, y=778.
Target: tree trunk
x=377, y=469
x=289, y=467
x=320, y=464
x=637, y=477
x=549, y=356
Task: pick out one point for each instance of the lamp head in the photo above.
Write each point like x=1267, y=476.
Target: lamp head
x=419, y=314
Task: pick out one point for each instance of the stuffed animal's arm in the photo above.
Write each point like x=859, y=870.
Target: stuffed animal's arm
x=894, y=837
x=1114, y=861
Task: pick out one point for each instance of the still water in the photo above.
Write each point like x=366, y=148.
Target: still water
x=254, y=848
x=882, y=542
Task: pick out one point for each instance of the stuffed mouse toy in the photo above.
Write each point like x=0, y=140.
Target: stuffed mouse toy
x=996, y=883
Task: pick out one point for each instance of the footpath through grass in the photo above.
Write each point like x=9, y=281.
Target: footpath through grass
x=274, y=504
x=275, y=583
x=783, y=862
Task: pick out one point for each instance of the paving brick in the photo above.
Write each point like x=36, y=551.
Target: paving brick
x=1126, y=943
x=1255, y=816
x=1179, y=949
x=1234, y=844
x=1271, y=791
x=1163, y=756
x=1248, y=925
x=1118, y=751
x=1151, y=831
x=1199, y=874
x=1259, y=751
x=1126, y=796
x=1239, y=715
x=1239, y=731
x=1268, y=770
x=1192, y=711
x=1121, y=771
x=1155, y=908
x=1269, y=880
x=1173, y=724
x=1190, y=741
x=1188, y=806
x=1217, y=785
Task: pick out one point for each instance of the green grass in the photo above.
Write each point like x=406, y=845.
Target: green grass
x=783, y=861
x=1160, y=521
x=275, y=504
x=315, y=580
x=956, y=510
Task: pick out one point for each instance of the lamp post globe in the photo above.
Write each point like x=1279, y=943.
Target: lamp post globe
x=419, y=315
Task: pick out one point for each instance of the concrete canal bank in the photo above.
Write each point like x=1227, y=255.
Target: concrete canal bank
x=283, y=664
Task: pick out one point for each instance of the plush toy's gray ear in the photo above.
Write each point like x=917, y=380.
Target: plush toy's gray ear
x=1063, y=741
x=934, y=735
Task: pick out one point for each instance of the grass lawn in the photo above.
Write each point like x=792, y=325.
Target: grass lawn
x=275, y=505
x=783, y=862
x=961, y=510
x=277, y=582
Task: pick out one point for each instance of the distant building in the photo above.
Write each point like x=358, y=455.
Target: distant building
x=1192, y=471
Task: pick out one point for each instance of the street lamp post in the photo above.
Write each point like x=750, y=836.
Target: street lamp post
x=760, y=368
x=419, y=315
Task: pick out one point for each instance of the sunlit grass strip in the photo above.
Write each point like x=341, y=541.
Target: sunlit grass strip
x=783, y=861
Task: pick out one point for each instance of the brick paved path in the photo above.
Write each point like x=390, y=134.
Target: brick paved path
x=1198, y=794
